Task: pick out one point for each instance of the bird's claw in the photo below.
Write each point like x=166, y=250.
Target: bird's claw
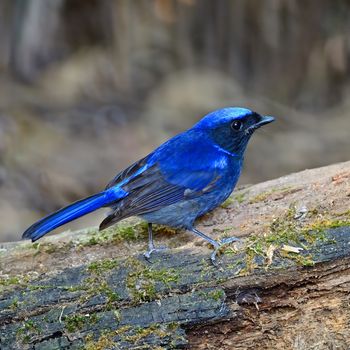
x=220, y=244
x=152, y=250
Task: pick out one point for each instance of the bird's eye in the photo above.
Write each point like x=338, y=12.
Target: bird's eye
x=237, y=125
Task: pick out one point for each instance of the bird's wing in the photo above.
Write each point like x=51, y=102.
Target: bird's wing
x=150, y=191
x=163, y=181
x=128, y=173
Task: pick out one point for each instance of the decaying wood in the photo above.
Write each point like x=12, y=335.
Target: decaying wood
x=285, y=286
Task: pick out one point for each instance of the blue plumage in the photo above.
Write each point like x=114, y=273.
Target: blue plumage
x=184, y=178
x=72, y=212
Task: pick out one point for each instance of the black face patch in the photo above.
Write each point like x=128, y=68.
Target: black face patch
x=255, y=117
x=234, y=136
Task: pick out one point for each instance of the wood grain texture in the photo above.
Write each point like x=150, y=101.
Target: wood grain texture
x=262, y=295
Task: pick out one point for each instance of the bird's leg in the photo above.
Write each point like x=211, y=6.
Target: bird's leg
x=151, y=246
x=216, y=244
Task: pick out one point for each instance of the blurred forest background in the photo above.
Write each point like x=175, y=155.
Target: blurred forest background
x=88, y=87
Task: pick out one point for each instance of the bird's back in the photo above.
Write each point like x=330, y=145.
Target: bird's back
x=184, y=178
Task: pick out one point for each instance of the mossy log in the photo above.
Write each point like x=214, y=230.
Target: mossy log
x=285, y=285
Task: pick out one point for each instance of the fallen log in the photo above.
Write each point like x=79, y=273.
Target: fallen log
x=285, y=285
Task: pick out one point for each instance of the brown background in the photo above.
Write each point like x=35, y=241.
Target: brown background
x=87, y=87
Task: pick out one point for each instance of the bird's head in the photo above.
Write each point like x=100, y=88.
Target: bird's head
x=232, y=127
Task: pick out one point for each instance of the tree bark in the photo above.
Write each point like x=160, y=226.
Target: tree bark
x=285, y=285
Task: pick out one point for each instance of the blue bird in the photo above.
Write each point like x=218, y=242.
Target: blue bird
x=184, y=178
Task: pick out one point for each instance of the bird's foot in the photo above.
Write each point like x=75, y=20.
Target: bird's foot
x=152, y=250
x=219, y=245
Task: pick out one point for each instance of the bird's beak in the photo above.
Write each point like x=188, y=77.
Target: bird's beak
x=264, y=120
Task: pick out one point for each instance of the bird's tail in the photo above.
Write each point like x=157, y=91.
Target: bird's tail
x=71, y=212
